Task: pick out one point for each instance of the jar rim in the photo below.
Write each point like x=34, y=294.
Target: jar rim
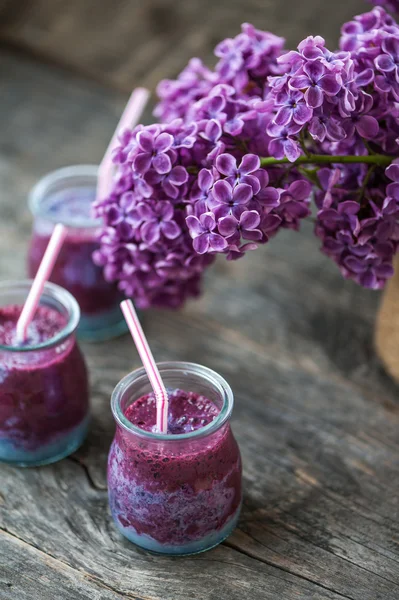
x=51, y=291
x=44, y=187
x=191, y=368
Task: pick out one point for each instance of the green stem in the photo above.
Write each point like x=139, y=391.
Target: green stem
x=380, y=160
x=310, y=174
x=365, y=182
x=302, y=142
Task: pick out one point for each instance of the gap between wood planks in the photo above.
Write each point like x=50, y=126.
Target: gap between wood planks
x=99, y=582
x=87, y=473
x=285, y=570
x=229, y=543
x=65, y=565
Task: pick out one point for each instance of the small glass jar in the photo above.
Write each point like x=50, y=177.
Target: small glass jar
x=66, y=196
x=175, y=494
x=44, y=394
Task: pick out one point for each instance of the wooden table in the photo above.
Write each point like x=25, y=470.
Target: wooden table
x=315, y=416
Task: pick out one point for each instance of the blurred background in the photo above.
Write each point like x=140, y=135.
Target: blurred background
x=124, y=43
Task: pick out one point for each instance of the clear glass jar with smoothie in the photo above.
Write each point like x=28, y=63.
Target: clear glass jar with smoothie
x=66, y=196
x=180, y=492
x=44, y=394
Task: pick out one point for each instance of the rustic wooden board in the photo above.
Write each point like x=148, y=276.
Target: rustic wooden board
x=316, y=417
x=126, y=43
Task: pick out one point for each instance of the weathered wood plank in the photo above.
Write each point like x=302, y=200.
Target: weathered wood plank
x=32, y=573
x=73, y=526
x=132, y=43
x=315, y=416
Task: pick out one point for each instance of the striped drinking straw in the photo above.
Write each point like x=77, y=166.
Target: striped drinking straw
x=158, y=386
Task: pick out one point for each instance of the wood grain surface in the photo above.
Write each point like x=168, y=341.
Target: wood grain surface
x=316, y=417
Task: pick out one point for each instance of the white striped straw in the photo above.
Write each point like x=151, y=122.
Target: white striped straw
x=161, y=395
x=42, y=275
x=129, y=118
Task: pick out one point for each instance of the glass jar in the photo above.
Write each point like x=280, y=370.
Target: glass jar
x=66, y=196
x=175, y=494
x=44, y=395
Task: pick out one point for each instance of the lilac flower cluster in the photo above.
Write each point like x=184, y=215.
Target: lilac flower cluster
x=320, y=100
x=244, y=63
x=145, y=244
x=345, y=103
x=164, y=223
x=239, y=209
x=239, y=150
x=360, y=234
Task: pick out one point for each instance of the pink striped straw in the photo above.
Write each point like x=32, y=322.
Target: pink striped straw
x=149, y=363
x=42, y=275
x=129, y=118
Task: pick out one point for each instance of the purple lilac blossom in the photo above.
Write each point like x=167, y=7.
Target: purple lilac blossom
x=361, y=237
x=193, y=186
x=244, y=64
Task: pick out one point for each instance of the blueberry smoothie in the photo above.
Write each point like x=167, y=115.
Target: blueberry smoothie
x=181, y=495
x=75, y=271
x=66, y=196
x=44, y=400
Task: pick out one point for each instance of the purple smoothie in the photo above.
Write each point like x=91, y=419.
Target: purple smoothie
x=175, y=497
x=44, y=401
x=74, y=269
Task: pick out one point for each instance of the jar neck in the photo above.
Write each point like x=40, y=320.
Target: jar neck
x=54, y=297
x=189, y=377
x=65, y=196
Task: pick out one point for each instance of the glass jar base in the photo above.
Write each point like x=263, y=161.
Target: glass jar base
x=102, y=327
x=47, y=454
x=195, y=547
